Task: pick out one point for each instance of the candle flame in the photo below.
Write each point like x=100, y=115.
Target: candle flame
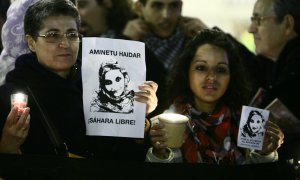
x=20, y=98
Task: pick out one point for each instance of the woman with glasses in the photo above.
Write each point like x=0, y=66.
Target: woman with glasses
x=208, y=85
x=50, y=75
x=13, y=37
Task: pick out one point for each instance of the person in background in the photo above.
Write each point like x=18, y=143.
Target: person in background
x=51, y=77
x=203, y=86
x=275, y=28
x=106, y=18
x=275, y=25
x=165, y=31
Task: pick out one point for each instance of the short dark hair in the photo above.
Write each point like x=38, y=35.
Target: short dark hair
x=291, y=7
x=42, y=9
x=238, y=92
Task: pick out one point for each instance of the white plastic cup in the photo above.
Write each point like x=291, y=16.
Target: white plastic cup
x=175, y=125
x=20, y=100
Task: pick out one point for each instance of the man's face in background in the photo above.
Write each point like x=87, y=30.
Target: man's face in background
x=162, y=16
x=93, y=18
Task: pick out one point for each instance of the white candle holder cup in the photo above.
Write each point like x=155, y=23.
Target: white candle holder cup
x=175, y=125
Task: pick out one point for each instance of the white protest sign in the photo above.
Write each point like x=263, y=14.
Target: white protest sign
x=112, y=70
x=252, y=127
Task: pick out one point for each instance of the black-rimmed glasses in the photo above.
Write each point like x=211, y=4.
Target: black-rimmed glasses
x=258, y=19
x=55, y=37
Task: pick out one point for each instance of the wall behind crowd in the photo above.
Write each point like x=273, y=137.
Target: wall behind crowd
x=232, y=16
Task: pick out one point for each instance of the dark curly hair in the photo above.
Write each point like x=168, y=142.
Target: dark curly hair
x=238, y=92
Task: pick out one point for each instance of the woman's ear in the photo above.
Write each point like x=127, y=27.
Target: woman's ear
x=30, y=42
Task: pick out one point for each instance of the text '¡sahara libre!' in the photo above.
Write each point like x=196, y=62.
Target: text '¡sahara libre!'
x=111, y=121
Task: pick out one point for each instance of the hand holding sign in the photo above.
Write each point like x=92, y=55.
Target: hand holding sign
x=273, y=138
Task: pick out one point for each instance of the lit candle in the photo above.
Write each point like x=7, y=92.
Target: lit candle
x=19, y=100
x=175, y=125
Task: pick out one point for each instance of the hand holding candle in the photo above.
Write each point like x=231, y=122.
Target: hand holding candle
x=175, y=126
x=19, y=100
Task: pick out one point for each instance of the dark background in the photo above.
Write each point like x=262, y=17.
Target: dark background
x=41, y=167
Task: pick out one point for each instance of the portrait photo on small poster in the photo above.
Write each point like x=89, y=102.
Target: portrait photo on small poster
x=252, y=127
x=112, y=70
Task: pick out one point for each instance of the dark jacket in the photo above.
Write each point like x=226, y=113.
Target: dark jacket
x=61, y=101
x=285, y=77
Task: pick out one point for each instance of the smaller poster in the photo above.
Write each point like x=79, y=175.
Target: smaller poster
x=252, y=127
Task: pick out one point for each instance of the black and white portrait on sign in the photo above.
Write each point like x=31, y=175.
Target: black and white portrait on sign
x=114, y=94
x=252, y=127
